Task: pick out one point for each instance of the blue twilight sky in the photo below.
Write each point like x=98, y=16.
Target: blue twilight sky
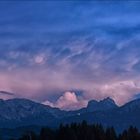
x=64, y=53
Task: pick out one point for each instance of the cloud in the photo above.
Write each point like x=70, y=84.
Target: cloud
x=89, y=64
x=39, y=59
x=45, y=52
x=6, y=95
x=68, y=101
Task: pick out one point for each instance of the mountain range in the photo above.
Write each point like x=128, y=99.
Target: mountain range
x=23, y=112
x=18, y=115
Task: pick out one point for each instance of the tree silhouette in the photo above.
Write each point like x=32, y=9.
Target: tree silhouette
x=83, y=131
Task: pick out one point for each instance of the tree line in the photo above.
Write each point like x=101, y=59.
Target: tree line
x=83, y=131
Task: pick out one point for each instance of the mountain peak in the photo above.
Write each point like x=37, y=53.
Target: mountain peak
x=105, y=104
x=92, y=102
x=108, y=100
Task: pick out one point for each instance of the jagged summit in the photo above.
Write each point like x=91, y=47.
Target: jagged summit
x=105, y=104
x=108, y=100
x=92, y=102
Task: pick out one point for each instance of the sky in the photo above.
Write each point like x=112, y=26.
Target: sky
x=65, y=53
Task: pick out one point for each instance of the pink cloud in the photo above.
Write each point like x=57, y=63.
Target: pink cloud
x=39, y=82
x=68, y=101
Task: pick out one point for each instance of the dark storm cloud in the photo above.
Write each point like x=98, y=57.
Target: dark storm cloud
x=7, y=93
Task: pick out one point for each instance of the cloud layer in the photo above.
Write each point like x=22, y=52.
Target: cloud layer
x=49, y=48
